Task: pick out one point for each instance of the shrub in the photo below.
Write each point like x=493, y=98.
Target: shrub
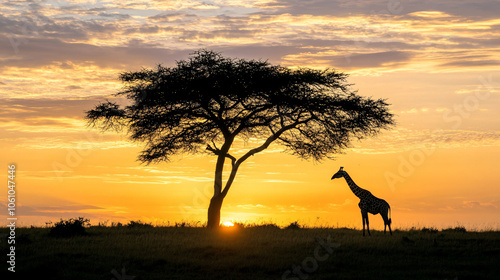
x=294, y=225
x=239, y=225
x=455, y=229
x=138, y=224
x=264, y=225
x=69, y=228
x=118, y=224
x=183, y=224
x=429, y=230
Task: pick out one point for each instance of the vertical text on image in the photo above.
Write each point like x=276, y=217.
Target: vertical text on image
x=11, y=220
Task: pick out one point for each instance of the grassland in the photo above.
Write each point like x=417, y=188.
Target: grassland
x=253, y=253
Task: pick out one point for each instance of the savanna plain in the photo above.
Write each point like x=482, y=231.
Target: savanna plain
x=141, y=251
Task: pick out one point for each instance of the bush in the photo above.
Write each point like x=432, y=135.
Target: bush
x=294, y=225
x=429, y=230
x=239, y=225
x=455, y=229
x=265, y=225
x=183, y=224
x=69, y=228
x=138, y=224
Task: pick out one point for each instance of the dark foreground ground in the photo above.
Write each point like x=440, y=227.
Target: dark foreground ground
x=253, y=253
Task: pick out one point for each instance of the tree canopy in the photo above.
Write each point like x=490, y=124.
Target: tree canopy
x=206, y=102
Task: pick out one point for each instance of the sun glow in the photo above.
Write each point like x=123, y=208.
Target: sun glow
x=228, y=224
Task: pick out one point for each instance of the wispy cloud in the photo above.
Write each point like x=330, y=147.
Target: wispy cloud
x=282, y=181
x=251, y=206
x=368, y=34
x=339, y=206
x=401, y=140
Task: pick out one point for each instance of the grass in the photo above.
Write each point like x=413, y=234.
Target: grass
x=259, y=252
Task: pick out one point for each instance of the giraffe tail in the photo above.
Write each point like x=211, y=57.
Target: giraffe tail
x=390, y=214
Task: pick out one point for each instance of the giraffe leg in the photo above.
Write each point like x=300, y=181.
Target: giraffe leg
x=386, y=221
x=367, y=224
x=364, y=214
x=363, y=217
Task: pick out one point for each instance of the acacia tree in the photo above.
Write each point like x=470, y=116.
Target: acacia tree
x=206, y=102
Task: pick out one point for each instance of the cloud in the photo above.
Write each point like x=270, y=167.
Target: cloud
x=429, y=14
x=204, y=6
x=151, y=179
x=479, y=205
x=484, y=9
x=338, y=206
x=328, y=7
x=144, y=29
x=51, y=123
x=227, y=34
x=48, y=122
x=282, y=181
x=87, y=144
x=44, y=210
x=400, y=140
x=171, y=17
x=43, y=108
x=50, y=206
x=51, y=209
x=388, y=58
x=349, y=35
x=274, y=54
x=345, y=43
x=479, y=9
x=467, y=206
x=348, y=60
x=251, y=206
x=20, y=30
x=42, y=52
x=114, y=15
x=471, y=63
x=72, y=87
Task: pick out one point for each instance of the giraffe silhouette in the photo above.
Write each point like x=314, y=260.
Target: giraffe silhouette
x=368, y=202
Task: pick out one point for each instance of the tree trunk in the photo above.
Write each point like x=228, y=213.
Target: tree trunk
x=214, y=211
x=213, y=220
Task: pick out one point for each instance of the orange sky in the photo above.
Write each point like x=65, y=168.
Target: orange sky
x=436, y=62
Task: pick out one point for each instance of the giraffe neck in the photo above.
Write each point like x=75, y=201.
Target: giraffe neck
x=359, y=192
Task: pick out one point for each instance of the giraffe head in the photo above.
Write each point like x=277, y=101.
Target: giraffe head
x=339, y=173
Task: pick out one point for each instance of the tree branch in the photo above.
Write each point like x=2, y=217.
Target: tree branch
x=243, y=123
x=218, y=152
x=259, y=149
x=224, y=129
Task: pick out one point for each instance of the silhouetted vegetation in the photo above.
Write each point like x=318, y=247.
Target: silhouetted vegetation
x=455, y=229
x=69, y=228
x=139, y=223
x=294, y=225
x=263, y=225
x=239, y=225
x=429, y=230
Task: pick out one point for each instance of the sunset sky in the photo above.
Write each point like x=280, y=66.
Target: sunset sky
x=436, y=62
